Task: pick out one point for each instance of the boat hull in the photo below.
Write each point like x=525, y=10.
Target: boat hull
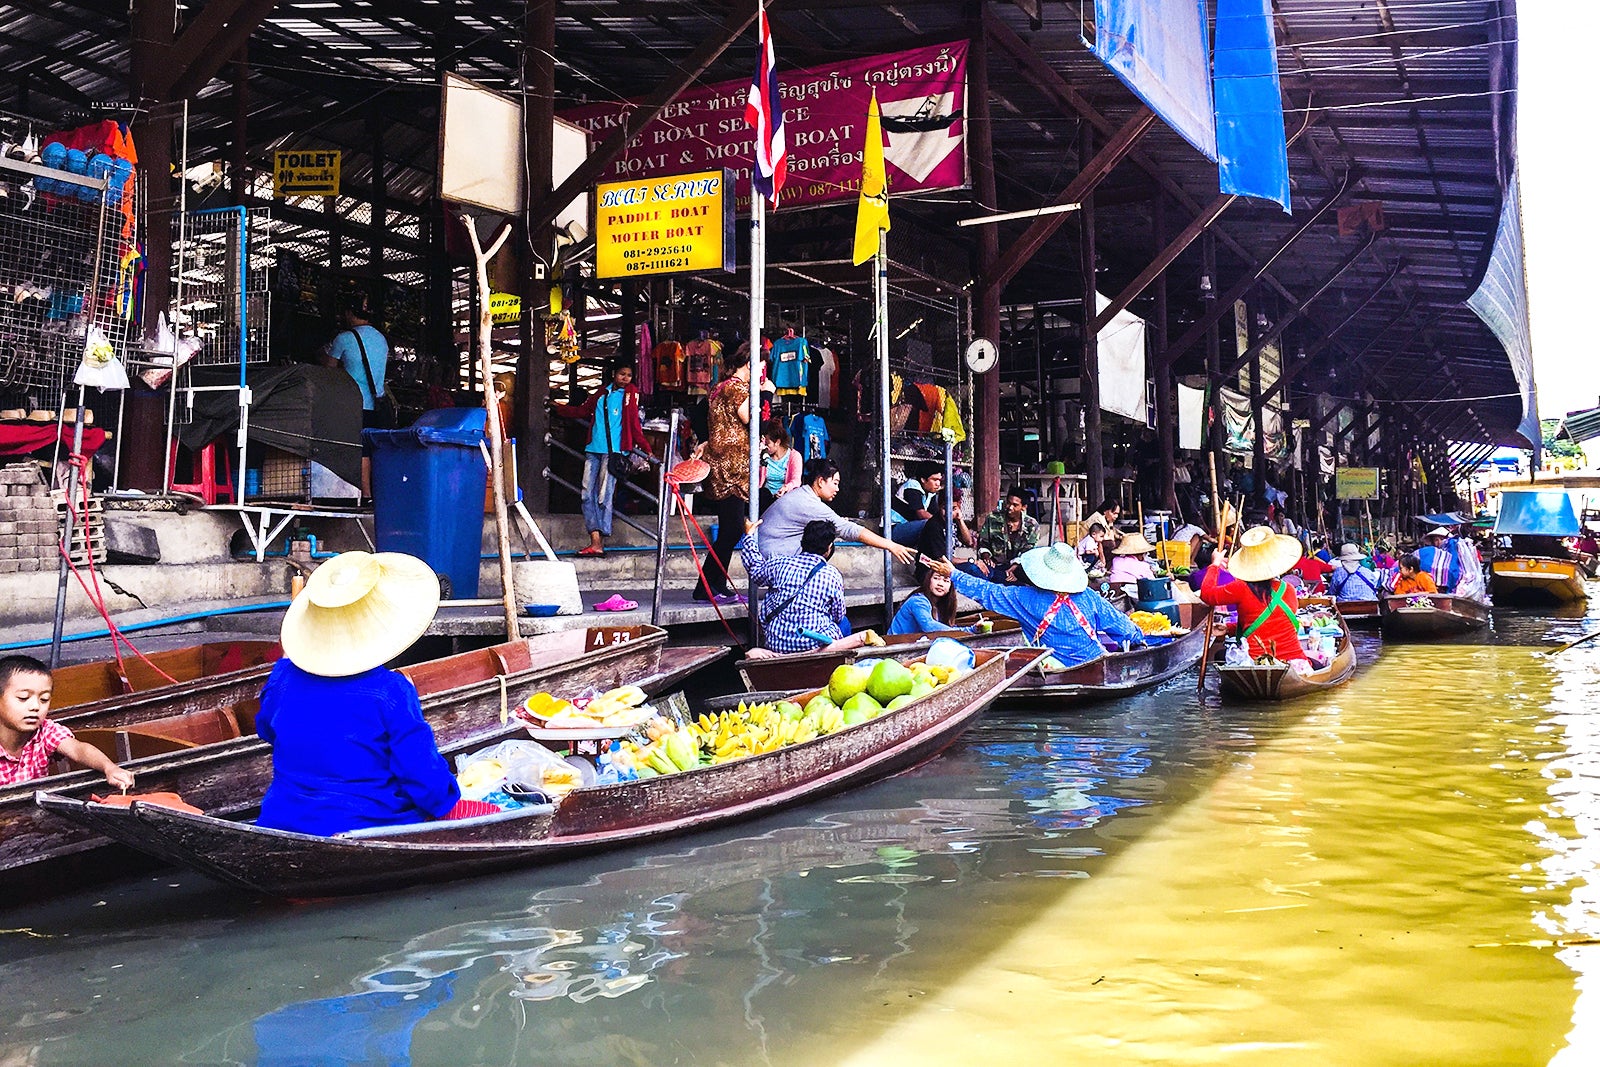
x=1113, y=675
x=1359, y=614
x=1535, y=582
x=1436, y=615
x=462, y=699
x=207, y=675
x=1280, y=683
x=811, y=670
x=587, y=820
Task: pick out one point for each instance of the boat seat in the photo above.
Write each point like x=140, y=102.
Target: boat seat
x=159, y=736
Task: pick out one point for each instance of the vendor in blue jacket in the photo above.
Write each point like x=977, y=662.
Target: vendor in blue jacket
x=1054, y=605
x=350, y=747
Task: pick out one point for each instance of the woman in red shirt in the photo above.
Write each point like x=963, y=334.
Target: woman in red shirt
x=1254, y=583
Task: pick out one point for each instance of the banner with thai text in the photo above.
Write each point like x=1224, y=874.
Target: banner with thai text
x=922, y=94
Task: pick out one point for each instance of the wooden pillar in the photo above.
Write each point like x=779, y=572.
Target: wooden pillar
x=150, y=37
x=239, y=166
x=1166, y=412
x=377, y=250
x=628, y=298
x=1215, y=433
x=986, y=309
x=533, y=369
x=1259, y=452
x=1089, y=373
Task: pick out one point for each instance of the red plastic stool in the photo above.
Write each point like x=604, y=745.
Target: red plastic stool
x=203, y=468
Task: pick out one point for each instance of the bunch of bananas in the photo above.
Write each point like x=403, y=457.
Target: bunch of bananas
x=752, y=729
x=1151, y=622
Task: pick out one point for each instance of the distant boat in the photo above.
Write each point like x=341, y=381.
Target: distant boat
x=1538, y=570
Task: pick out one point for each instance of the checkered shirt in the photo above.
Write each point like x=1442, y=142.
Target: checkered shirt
x=817, y=592
x=34, y=759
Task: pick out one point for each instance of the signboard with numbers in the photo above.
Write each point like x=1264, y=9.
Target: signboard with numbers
x=670, y=225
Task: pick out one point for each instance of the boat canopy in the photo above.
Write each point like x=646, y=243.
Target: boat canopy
x=1546, y=512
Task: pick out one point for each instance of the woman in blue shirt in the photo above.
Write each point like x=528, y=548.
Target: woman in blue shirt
x=1055, y=606
x=931, y=609
x=350, y=747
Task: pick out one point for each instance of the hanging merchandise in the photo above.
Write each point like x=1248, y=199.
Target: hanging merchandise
x=827, y=378
x=1191, y=416
x=701, y=356
x=668, y=359
x=810, y=435
x=791, y=358
x=100, y=367
x=952, y=424
x=644, y=379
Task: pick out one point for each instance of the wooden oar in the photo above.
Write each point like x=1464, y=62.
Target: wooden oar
x=1571, y=644
x=1211, y=615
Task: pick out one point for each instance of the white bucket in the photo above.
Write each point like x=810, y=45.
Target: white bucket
x=541, y=581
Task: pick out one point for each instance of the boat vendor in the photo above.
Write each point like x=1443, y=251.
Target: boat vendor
x=1413, y=580
x=1006, y=533
x=931, y=609
x=803, y=608
x=350, y=747
x=1053, y=605
x=1130, y=561
x=1441, y=558
x=1251, y=578
x=1351, y=578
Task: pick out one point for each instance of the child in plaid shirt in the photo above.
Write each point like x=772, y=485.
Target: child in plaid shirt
x=27, y=736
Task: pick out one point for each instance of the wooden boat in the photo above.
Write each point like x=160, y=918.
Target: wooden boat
x=811, y=670
x=1278, y=682
x=1359, y=614
x=1418, y=618
x=202, y=676
x=1535, y=581
x=213, y=758
x=1115, y=674
x=588, y=820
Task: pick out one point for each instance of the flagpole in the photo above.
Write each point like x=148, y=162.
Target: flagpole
x=880, y=292
x=758, y=314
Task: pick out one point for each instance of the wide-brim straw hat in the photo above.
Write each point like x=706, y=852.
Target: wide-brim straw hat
x=1134, y=545
x=1056, y=568
x=359, y=611
x=1263, y=555
x=1351, y=552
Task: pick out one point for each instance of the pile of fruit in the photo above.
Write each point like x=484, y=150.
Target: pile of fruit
x=855, y=694
x=1151, y=622
x=620, y=708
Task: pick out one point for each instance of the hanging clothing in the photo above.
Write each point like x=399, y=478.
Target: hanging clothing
x=827, y=378
x=810, y=435
x=668, y=358
x=952, y=418
x=645, y=378
x=701, y=357
x=790, y=361
x=932, y=407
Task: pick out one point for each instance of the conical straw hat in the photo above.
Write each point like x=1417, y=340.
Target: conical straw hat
x=1134, y=545
x=1056, y=568
x=359, y=611
x=1263, y=554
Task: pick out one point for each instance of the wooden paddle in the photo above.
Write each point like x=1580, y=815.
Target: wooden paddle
x=1571, y=644
x=1211, y=615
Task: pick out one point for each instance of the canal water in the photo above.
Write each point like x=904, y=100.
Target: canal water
x=1401, y=872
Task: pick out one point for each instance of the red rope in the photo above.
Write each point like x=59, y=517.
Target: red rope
x=95, y=595
x=687, y=517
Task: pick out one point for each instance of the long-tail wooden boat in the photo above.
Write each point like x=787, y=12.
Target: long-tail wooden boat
x=1278, y=682
x=1533, y=581
x=1418, y=618
x=1115, y=674
x=587, y=820
x=811, y=670
x=175, y=682
x=214, y=759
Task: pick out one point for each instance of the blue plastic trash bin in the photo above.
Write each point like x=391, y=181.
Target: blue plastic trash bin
x=428, y=482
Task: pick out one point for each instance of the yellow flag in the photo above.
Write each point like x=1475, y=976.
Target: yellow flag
x=872, y=213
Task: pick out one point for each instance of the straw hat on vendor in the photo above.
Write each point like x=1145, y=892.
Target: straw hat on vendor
x=1055, y=568
x=1263, y=555
x=359, y=611
x=1134, y=545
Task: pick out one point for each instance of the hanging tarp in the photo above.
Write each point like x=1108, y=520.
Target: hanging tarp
x=1121, y=349
x=1191, y=417
x=1501, y=301
x=1252, y=151
x=1158, y=49
x=1542, y=512
x=1239, y=425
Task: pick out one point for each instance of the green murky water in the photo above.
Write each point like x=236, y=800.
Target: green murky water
x=1400, y=873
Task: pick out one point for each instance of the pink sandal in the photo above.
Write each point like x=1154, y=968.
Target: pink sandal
x=617, y=602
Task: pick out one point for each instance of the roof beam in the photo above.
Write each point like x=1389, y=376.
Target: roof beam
x=1164, y=259
x=1299, y=309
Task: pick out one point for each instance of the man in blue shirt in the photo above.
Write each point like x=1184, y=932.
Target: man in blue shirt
x=361, y=349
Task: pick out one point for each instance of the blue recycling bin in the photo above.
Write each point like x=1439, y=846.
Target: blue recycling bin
x=428, y=482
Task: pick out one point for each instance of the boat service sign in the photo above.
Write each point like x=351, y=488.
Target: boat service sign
x=668, y=225
x=1356, y=483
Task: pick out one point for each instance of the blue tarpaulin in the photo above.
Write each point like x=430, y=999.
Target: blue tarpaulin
x=1501, y=301
x=1252, y=151
x=1537, y=511
x=1158, y=49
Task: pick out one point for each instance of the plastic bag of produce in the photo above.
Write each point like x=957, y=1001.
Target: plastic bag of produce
x=516, y=763
x=948, y=652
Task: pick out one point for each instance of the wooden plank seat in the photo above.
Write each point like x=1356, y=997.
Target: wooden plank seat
x=171, y=734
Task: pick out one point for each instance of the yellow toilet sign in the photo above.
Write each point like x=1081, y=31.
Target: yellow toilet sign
x=306, y=172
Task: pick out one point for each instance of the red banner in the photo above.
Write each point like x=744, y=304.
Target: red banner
x=922, y=93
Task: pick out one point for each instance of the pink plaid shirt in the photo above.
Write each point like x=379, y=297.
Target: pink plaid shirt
x=34, y=759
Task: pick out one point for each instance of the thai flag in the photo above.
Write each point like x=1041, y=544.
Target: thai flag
x=764, y=113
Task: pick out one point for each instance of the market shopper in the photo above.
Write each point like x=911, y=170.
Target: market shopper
x=362, y=350
x=728, y=453
x=1053, y=604
x=781, y=466
x=803, y=606
x=1251, y=579
x=1352, y=579
x=782, y=524
x=350, y=747
x=615, y=430
x=1413, y=580
x=1006, y=533
x=29, y=737
x=1441, y=558
x=1108, y=514
x=931, y=609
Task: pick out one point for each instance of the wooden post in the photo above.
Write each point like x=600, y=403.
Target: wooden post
x=986, y=303
x=1089, y=371
x=533, y=366
x=497, y=466
x=1166, y=414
